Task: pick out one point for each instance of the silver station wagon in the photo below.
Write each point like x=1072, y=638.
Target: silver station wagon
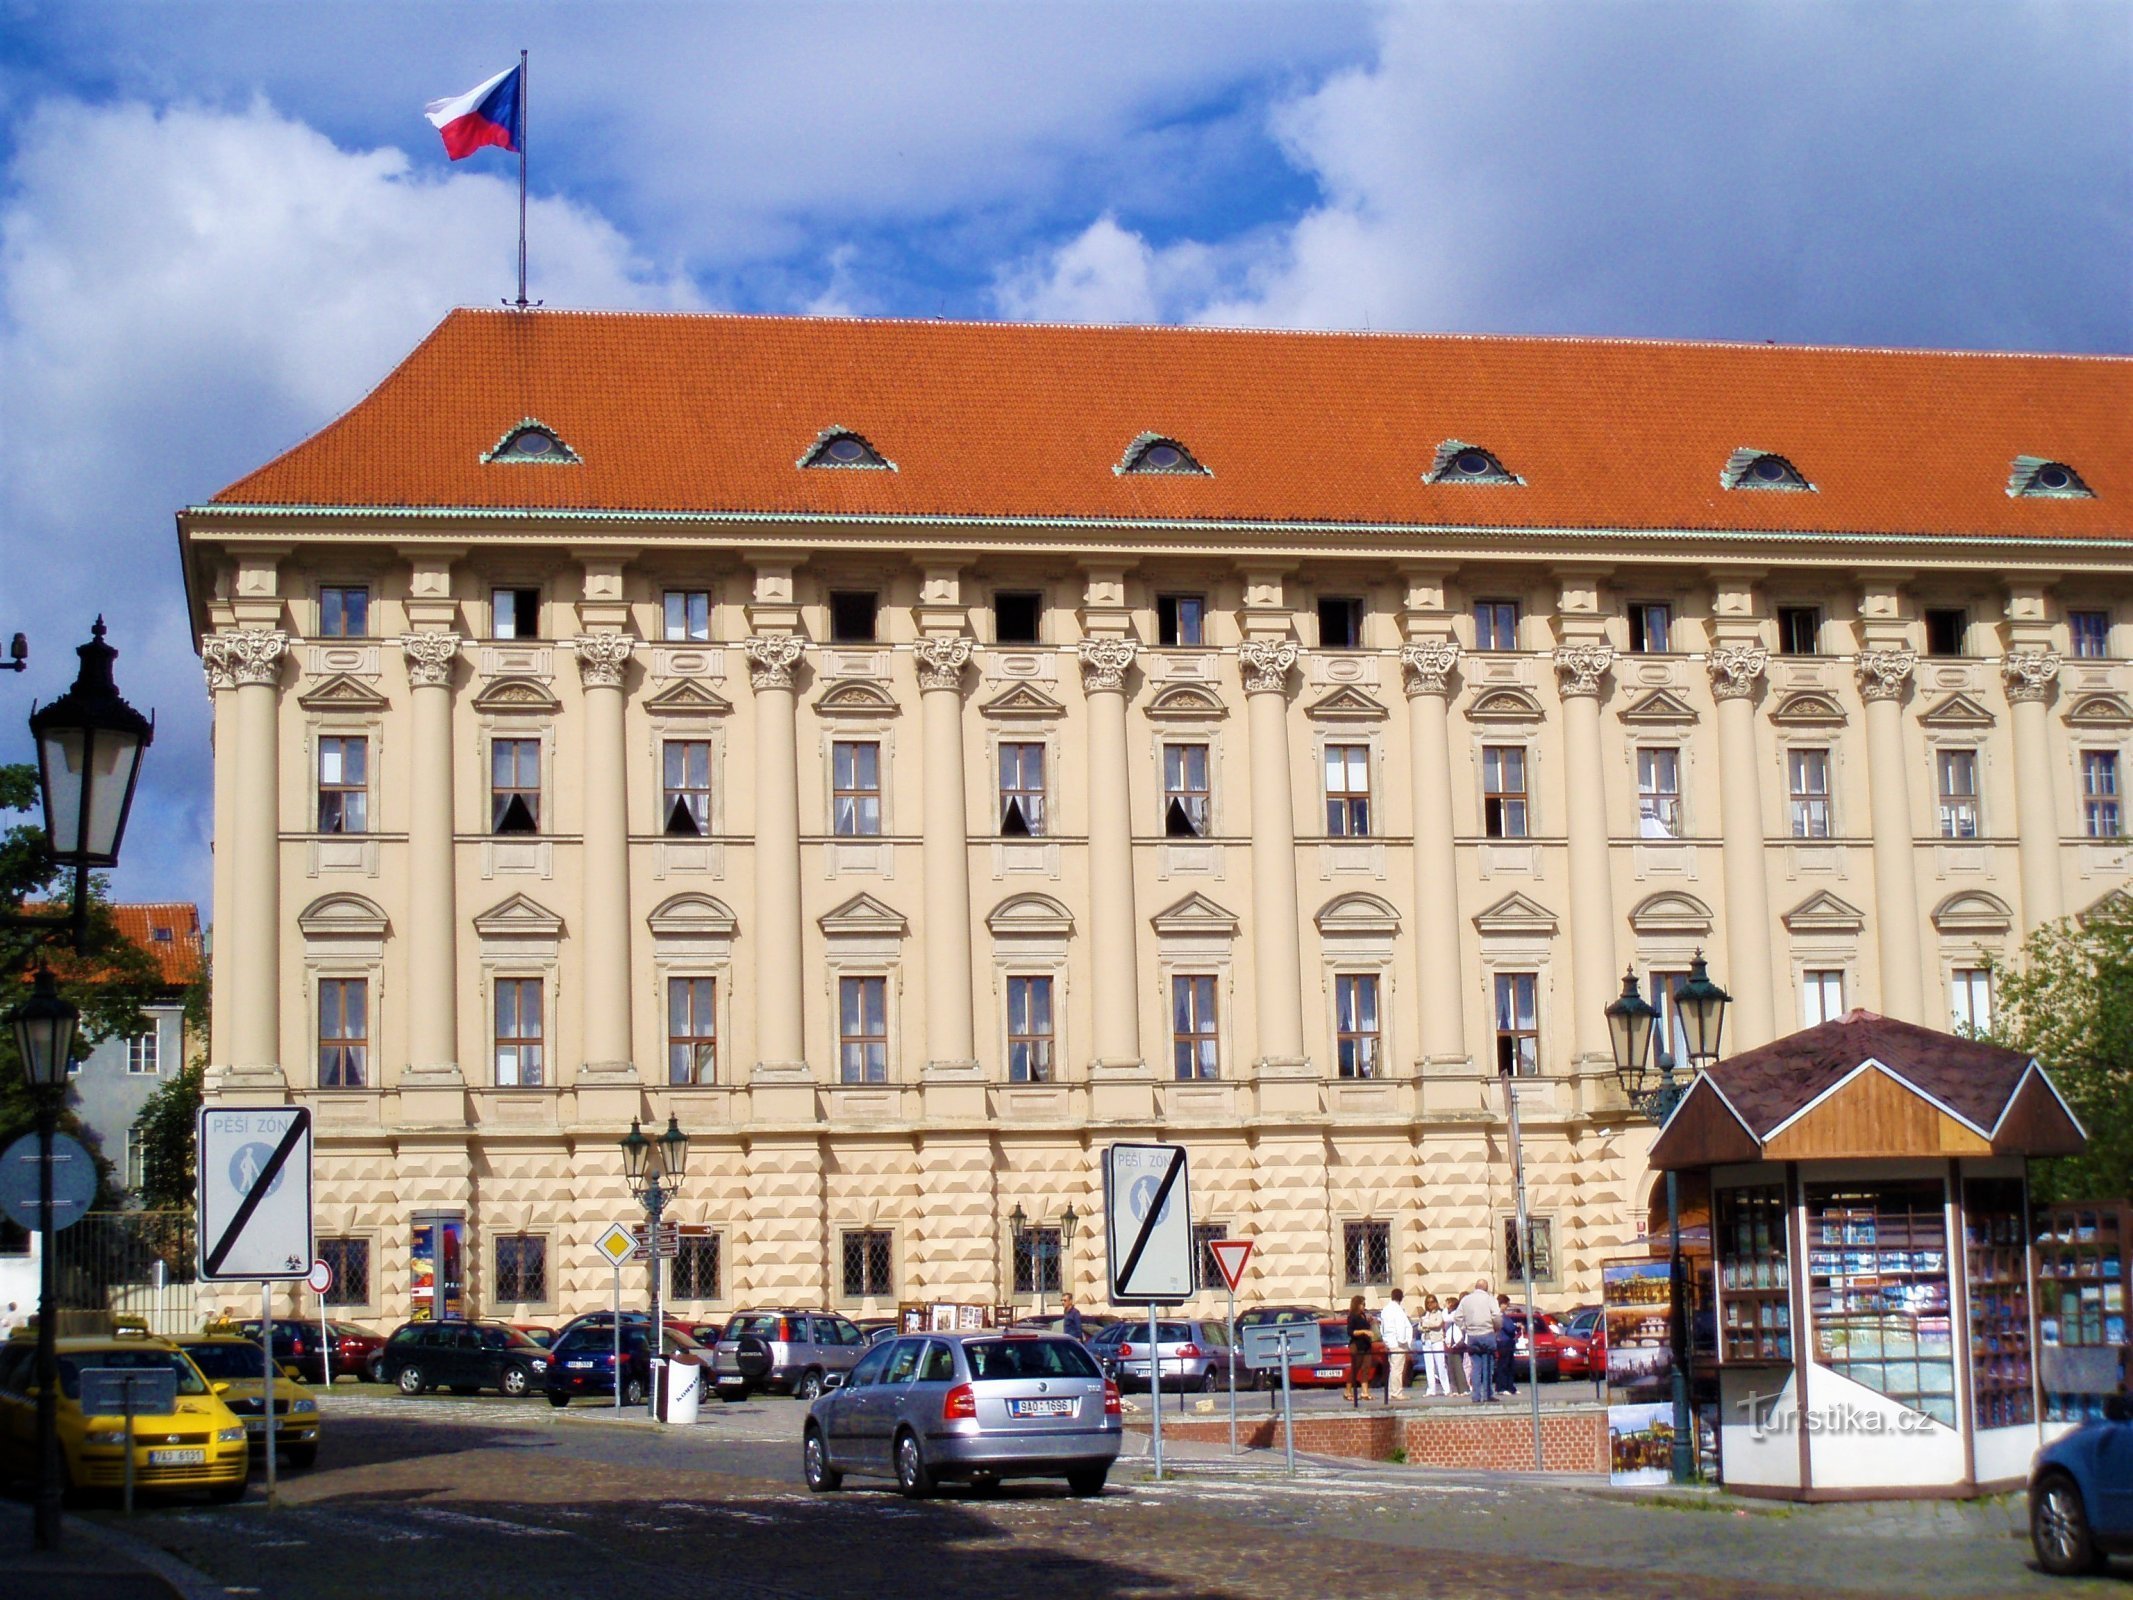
x=973, y=1407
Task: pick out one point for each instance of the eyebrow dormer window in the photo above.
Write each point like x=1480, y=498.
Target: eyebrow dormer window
x=840, y=447
x=1152, y=452
x=2037, y=478
x=532, y=443
x=1460, y=462
x=1760, y=469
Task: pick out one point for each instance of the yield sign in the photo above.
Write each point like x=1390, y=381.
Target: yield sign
x=1230, y=1255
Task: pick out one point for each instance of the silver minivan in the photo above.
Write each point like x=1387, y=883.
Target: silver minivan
x=977, y=1407
x=785, y=1351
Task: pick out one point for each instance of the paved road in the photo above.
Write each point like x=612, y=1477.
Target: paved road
x=479, y=1497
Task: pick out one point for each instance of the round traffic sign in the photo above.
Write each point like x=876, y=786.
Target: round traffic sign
x=320, y=1277
x=73, y=1181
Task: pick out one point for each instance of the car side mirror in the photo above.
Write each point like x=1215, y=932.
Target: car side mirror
x=2118, y=1408
x=833, y=1380
x=292, y=1372
x=222, y=1387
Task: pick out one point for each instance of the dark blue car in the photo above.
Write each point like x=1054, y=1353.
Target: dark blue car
x=2081, y=1494
x=581, y=1363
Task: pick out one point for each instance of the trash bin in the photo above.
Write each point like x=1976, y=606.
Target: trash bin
x=682, y=1392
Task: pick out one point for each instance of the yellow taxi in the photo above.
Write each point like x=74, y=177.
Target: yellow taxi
x=235, y=1368
x=201, y=1444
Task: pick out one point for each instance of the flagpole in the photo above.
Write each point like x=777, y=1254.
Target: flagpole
x=525, y=121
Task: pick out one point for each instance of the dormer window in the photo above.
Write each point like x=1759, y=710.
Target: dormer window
x=1762, y=469
x=1460, y=462
x=840, y=447
x=532, y=443
x=1152, y=452
x=2035, y=477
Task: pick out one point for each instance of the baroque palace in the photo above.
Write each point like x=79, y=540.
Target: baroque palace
x=918, y=754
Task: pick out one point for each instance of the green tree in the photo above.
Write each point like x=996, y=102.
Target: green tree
x=2070, y=1004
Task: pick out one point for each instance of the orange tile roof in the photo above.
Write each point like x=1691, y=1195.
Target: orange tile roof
x=168, y=930
x=708, y=414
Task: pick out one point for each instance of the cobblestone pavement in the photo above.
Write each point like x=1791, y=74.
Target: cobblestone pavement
x=477, y=1497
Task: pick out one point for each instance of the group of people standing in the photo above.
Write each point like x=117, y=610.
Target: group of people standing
x=1465, y=1344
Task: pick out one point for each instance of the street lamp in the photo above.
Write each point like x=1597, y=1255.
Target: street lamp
x=1700, y=1006
x=1069, y=1220
x=655, y=1168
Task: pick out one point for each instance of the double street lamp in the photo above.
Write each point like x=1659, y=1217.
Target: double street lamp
x=1699, y=1008
x=1035, y=1252
x=655, y=1168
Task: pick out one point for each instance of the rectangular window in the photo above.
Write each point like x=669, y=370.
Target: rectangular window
x=1651, y=628
x=1957, y=771
x=1534, y=1257
x=1357, y=1041
x=144, y=1053
x=343, y=1033
x=867, y=1256
x=1029, y=1030
x=1181, y=620
x=1807, y=773
x=343, y=784
x=1945, y=627
x=2091, y=631
x=1503, y=791
x=350, y=1261
x=136, y=1161
x=1970, y=999
x=1340, y=624
x=1659, y=793
x=519, y=1035
x=2099, y=793
x=344, y=613
x=1206, y=1271
x=1347, y=791
x=855, y=782
x=852, y=616
x=1366, y=1253
x=1821, y=995
x=1495, y=624
x=1670, y=1037
x=688, y=614
x=692, y=1030
x=694, y=1271
x=1037, y=1262
x=685, y=767
x=1022, y=791
x=1799, y=630
x=514, y=613
x=1186, y=797
x=514, y=786
x=1195, y=1050
x=521, y=1268
x=1017, y=617
x=1518, y=1023
x=863, y=1030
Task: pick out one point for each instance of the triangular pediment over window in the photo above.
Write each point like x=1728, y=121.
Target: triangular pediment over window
x=342, y=693
x=1671, y=911
x=344, y=916
x=517, y=695
x=685, y=697
x=1504, y=705
x=1195, y=914
x=1958, y=711
x=864, y=915
x=1662, y=707
x=1348, y=704
x=520, y=917
x=1823, y=912
x=2117, y=906
x=1022, y=700
x=1808, y=709
x=856, y=697
x=1030, y=916
x=1515, y=914
x=2099, y=711
x=1185, y=702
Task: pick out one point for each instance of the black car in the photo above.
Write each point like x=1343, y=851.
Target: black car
x=581, y=1365
x=464, y=1357
x=296, y=1344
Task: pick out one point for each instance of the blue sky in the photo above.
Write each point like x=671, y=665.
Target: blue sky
x=220, y=223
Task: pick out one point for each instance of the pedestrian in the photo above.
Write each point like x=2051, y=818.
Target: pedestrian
x=1429, y=1334
x=10, y=1319
x=1360, y=1339
x=1506, y=1347
x=1070, y=1322
x=1480, y=1321
x=1454, y=1343
x=1397, y=1329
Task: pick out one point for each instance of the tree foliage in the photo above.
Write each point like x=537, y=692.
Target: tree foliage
x=2070, y=1004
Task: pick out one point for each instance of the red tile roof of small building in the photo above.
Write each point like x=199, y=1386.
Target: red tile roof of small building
x=168, y=930
x=710, y=414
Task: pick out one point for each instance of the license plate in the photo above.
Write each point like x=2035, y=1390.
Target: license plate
x=176, y=1458
x=1326, y=1372
x=1041, y=1408
x=255, y=1424
x=579, y=1366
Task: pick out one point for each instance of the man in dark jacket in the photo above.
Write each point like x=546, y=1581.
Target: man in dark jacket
x=1506, y=1348
x=1070, y=1322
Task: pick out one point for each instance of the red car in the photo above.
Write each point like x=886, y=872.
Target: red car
x=1584, y=1348
x=353, y=1349
x=1549, y=1355
x=1330, y=1371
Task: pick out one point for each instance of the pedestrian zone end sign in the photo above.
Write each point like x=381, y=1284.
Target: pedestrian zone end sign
x=255, y=1194
x=1148, y=1224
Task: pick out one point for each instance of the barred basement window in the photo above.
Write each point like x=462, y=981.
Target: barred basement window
x=1206, y=1271
x=350, y=1260
x=1538, y=1256
x=867, y=1256
x=521, y=1268
x=1366, y=1253
x=1037, y=1261
x=694, y=1274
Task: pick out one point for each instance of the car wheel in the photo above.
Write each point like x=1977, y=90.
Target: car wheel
x=2059, y=1528
x=375, y=1371
x=411, y=1380
x=809, y=1386
x=1207, y=1382
x=1087, y=1481
x=514, y=1382
x=303, y=1455
x=815, y=1463
x=633, y=1391
x=559, y=1401
x=913, y=1476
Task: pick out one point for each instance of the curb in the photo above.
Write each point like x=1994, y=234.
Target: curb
x=184, y=1581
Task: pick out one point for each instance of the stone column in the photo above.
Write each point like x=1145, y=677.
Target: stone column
x=1276, y=940
x=252, y=658
x=1735, y=670
x=1883, y=676
x=1594, y=979
x=1428, y=672
x=604, y=941
x=1112, y=933
x=432, y=898
x=2030, y=674
x=222, y=697
x=780, y=1038
x=950, y=1026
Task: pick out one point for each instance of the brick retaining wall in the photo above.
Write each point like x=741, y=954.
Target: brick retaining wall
x=1495, y=1439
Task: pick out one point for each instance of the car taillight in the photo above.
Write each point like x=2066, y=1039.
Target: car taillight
x=1188, y=1352
x=1125, y=1352
x=1113, y=1406
x=961, y=1404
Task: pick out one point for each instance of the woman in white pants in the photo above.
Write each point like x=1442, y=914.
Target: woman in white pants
x=1429, y=1338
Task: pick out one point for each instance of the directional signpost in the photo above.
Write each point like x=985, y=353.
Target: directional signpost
x=1230, y=1256
x=130, y=1392
x=1148, y=1229
x=1285, y=1345
x=617, y=1245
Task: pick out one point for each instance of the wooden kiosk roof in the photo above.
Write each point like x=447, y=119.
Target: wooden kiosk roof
x=1868, y=1087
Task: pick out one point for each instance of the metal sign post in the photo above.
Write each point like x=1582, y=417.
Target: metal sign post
x=128, y=1392
x=1233, y=1371
x=1290, y=1344
x=1288, y=1407
x=321, y=1282
x=1148, y=1230
x=1230, y=1256
x=616, y=1246
x=1155, y=1389
x=266, y=1337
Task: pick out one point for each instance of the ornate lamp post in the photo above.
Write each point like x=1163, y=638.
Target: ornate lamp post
x=1701, y=1007
x=1069, y=1221
x=655, y=1168
x=44, y=1036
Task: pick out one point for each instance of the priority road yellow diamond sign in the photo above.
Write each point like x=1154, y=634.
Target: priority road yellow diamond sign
x=617, y=1245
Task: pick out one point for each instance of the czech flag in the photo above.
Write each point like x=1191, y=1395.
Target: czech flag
x=494, y=114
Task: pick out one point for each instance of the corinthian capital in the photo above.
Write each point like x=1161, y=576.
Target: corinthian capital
x=1427, y=667
x=429, y=658
x=2029, y=673
x=1267, y=663
x=1582, y=666
x=601, y=658
x=941, y=661
x=1104, y=663
x=1883, y=674
x=771, y=658
x=248, y=655
x=1734, y=669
